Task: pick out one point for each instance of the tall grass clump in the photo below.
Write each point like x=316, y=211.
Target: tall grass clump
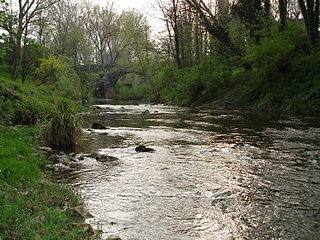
x=63, y=130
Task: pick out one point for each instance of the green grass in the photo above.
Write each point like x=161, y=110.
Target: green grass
x=30, y=206
x=63, y=131
x=25, y=103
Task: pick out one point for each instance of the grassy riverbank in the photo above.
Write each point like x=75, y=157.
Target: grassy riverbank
x=32, y=206
x=25, y=103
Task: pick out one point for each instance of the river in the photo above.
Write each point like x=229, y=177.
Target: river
x=213, y=174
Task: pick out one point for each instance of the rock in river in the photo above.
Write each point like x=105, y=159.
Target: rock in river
x=113, y=238
x=106, y=158
x=146, y=112
x=143, y=148
x=97, y=125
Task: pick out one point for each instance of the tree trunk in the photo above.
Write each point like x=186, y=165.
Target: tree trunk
x=283, y=13
x=310, y=12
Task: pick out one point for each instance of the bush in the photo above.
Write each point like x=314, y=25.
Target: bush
x=123, y=92
x=62, y=132
x=272, y=58
x=284, y=74
x=194, y=84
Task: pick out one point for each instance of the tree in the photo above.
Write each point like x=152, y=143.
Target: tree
x=42, y=27
x=170, y=10
x=3, y=5
x=68, y=35
x=294, y=11
x=253, y=14
x=212, y=24
x=33, y=52
x=17, y=25
x=185, y=35
x=310, y=13
x=101, y=27
x=283, y=4
x=46, y=72
x=135, y=41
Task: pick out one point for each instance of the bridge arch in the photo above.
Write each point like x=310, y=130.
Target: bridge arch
x=110, y=79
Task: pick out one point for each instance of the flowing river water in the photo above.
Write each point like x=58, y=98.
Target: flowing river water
x=213, y=174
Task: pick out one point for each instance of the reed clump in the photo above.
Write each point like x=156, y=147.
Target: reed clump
x=62, y=132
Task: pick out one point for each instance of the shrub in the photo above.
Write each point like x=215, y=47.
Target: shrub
x=272, y=58
x=47, y=70
x=194, y=84
x=63, y=131
x=123, y=92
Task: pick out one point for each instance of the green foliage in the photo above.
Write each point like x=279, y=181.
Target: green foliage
x=124, y=92
x=192, y=85
x=47, y=70
x=88, y=82
x=4, y=47
x=25, y=103
x=34, y=54
x=272, y=58
x=68, y=83
x=130, y=87
x=3, y=4
x=30, y=206
x=18, y=165
x=283, y=75
x=15, y=107
x=278, y=73
x=63, y=131
x=61, y=76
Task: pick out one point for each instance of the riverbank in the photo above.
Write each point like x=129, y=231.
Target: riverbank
x=32, y=205
x=280, y=73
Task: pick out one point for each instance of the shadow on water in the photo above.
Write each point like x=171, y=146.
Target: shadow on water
x=213, y=175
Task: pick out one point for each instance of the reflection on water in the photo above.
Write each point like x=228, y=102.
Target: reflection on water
x=213, y=175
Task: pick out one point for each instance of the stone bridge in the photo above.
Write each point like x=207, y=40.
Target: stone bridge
x=107, y=80
x=105, y=88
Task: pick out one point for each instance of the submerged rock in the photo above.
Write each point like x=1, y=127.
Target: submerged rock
x=100, y=158
x=65, y=160
x=97, y=125
x=143, y=148
x=113, y=238
x=57, y=167
x=102, y=134
x=106, y=158
x=146, y=112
